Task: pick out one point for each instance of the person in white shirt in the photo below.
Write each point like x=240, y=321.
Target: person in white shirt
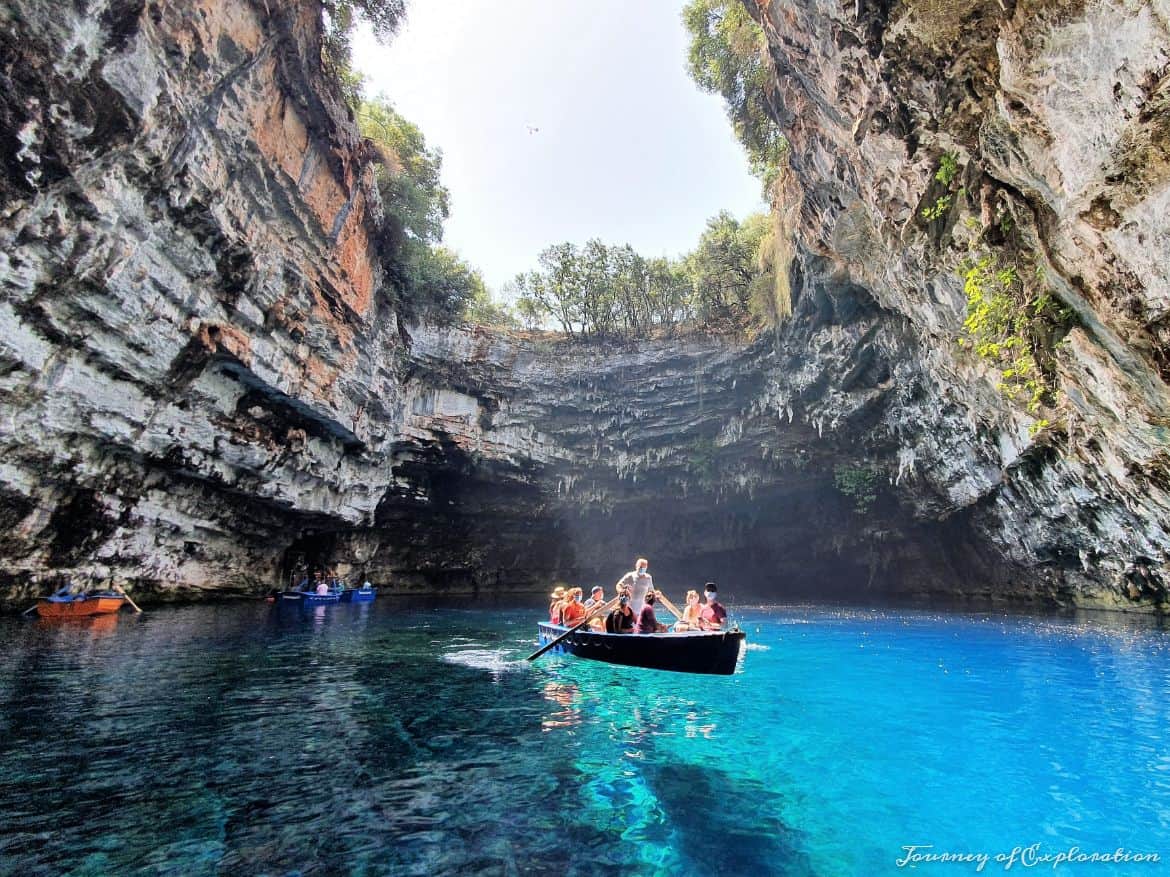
x=637, y=583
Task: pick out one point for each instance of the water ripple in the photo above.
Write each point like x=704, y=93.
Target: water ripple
x=243, y=740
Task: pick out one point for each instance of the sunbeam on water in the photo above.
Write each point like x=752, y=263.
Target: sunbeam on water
x=374, y=740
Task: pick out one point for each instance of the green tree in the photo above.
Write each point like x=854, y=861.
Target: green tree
x=432, y=282
x=562, y=286
x=726, y=283
x=723, y=267
x=441, y=286
x=598, y=308
x=486, y=311
x=728, y=56
x=338, y=20
x=669, y=292
x=529, y=310
x=409, y=176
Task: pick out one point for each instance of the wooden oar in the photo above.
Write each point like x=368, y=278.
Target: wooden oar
x=658, y=595
x=29, y=609
x=118, y=588
x=594, y=613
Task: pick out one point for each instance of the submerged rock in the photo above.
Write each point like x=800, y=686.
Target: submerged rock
x=202, y=377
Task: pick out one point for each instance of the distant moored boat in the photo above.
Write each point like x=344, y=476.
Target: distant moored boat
x=79, y=605
x=365, y=594
x=311, y=598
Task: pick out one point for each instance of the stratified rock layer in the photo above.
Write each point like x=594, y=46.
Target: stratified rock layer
x=1058, y=117
x=202, y=378
x=192, y=351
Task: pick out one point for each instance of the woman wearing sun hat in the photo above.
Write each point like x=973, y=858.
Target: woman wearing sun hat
x=554, y=608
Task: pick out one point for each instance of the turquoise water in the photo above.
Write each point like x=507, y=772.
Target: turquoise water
x=364, y=740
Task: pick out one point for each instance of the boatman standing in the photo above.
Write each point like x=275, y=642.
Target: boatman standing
x=637, y=583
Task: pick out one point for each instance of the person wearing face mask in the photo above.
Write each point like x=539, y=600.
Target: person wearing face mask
x=713, y=616
x=573, y=611
x=637, y=583
x=621, y=620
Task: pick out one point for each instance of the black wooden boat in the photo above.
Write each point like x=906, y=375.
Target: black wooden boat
x=715, y=651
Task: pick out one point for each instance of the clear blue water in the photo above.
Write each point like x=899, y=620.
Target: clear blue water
x=366, y=740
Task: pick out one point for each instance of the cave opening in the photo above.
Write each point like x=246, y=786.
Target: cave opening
x=308, y=553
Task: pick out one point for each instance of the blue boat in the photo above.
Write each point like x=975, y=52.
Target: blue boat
x=310, y=598
x=365, y=594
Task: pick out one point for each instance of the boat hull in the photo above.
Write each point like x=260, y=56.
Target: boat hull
x=79, y=608
x=713, y=652
x=357, y=595
x=306, y=598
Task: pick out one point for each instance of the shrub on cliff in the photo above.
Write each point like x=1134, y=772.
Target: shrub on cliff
x=729, y=56
x=409, y=176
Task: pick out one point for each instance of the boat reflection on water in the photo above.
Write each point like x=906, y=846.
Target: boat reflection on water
x=698, y=725
x=566, y=696
x=318, y=613
x=97, y=625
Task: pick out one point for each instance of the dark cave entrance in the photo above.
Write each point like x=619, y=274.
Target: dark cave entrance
x=463, y=528
x=309, y=552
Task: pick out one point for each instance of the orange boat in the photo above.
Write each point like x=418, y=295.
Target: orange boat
x=79, y=606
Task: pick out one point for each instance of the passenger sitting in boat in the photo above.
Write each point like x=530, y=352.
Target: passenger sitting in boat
x=573, y=612
x=620, y=620
x=596, y=601
x=554, y=608
x=713, y=616
x=322, y=587
x=647, y=620
x=690, y=617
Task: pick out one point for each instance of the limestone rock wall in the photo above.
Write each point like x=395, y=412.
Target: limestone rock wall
x=203, y=377
x=192, y=350
x=1058, y=117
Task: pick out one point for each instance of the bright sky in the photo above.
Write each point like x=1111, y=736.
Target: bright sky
x=628, y=149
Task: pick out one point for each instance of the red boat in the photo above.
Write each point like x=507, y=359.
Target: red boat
x=80, y=605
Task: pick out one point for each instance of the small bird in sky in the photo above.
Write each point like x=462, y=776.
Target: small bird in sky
x=532, y=129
